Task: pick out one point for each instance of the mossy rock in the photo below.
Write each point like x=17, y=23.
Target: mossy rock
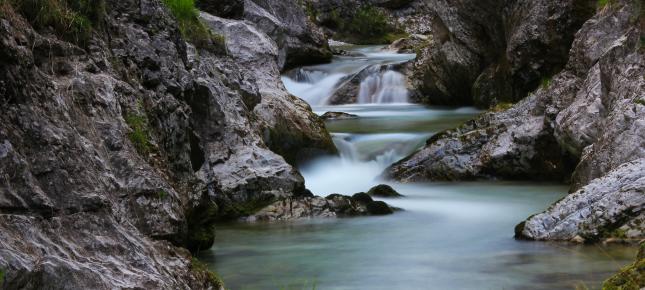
x=631, y=277
x=362, y=197
x=383, y=190
x=379, y=208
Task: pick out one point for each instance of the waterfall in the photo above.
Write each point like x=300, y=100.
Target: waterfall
x=383, y=87
x=313, y=86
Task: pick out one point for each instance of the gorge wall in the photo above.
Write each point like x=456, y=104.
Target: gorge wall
x=121, y=148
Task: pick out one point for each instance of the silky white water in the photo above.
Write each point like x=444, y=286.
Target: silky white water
x=449, y=235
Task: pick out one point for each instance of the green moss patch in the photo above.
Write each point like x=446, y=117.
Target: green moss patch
x=368, y=25
x=631, y=277
x=201, y=268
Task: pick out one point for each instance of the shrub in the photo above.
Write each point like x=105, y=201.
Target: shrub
x=191, y=28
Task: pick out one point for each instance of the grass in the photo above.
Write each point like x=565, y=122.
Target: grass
x=140, y=135
x=201, y=268
x=191, y=27
x=72, y=20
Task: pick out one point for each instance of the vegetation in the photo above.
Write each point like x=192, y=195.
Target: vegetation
x=368, y=25
x=503, y=106
x=201, y=268
x=630, y=277
x=1, y=277
x=162, y=194
x=545, y=82
x=640, y=102
x=72, y=20
x=191, y=28
x=140, y=135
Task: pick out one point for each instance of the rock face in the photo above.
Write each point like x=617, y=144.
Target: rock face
x=587, y=122
x=334, y=205
x=383, y=190
x=330, y=116
x=486, y=52
x=115, y=154
x=300, y=42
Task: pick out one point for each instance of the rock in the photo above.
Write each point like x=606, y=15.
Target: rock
x=299, y=41
x=285, y=122
x=608, y=207
x=334, y=205
x=349, y=90
x=379, y=208
x=408, y=45
x=479, y=46
x=330, y=116
x=383, y=190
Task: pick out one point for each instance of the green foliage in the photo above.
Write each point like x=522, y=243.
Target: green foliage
x=640, y=102
x=201, y=268
x=191, y=28
x=1, y=277
x=602, y=3
x=368, y=25
x=545, y=82
x=162, y=194
x=503, y=106
x=139, y=136
x=630, y=277
x=73, y=20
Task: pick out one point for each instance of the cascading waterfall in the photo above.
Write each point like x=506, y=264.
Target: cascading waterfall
x=315, y=87
x=383, y=87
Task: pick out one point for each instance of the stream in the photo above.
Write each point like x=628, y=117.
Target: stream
x=449, y=235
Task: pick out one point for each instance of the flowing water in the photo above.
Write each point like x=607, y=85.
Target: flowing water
x=449, y=236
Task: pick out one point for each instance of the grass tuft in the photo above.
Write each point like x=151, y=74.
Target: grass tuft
x=139, y=136
x=72, y=20
x=192, y=28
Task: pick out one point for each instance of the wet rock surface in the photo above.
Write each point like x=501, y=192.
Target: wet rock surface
x=334, y=205
x=582, y=124
x=383, y=190
x=330, y=116
x=116, y=155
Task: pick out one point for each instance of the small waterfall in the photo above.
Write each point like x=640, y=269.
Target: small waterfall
x=383, y=87
x=313, y=86
x=345, y=147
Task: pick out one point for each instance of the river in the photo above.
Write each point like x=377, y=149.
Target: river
x=448, y=236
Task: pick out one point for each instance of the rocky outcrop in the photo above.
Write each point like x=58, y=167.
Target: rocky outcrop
x=117, y=152
x=334, y=205
x=487, y=52
x=585, y=123
x=299, y=41
x=612, y=206
x=383, y=190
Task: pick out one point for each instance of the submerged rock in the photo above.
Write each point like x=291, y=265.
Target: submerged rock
x=383, y=190
x=330, y=116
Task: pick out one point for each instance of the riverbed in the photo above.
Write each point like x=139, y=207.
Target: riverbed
x=448, y=235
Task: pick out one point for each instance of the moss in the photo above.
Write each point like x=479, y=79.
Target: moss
x=1, y=277
x=503, y=106
x=72, y=20
x=630, y=277
x=545, y=82
x=640, y=102
x=162, y=194
x=602, y=3
x=140, y=135
x=192, y=28
x=201, y=268
x=201, y=226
